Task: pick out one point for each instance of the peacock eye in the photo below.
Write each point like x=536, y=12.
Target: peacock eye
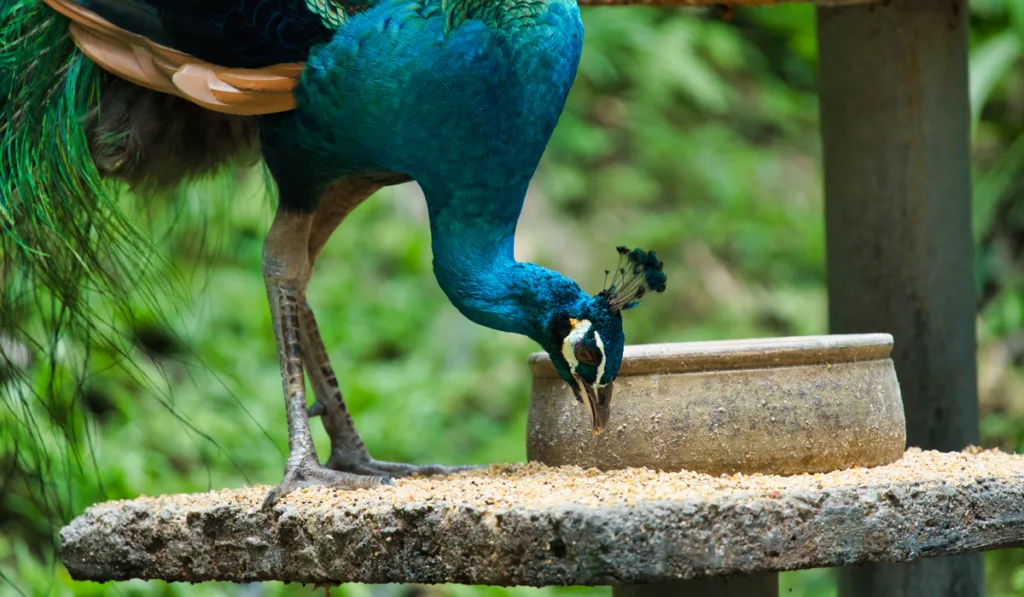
x=583, y=354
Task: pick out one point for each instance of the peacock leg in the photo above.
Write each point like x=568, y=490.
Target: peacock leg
x=348, y=452
x=337, y=202
x=286, y=271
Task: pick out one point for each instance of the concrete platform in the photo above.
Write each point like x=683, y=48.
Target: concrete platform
x=535, y=525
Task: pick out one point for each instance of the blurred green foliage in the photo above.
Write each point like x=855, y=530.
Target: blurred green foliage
x=686, y=132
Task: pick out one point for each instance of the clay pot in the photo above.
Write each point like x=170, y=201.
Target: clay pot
x=773, y=406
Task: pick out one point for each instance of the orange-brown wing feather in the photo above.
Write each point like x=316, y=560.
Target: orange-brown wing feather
x=139, y=60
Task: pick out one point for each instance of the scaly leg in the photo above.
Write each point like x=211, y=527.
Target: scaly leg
x=337, y=202
x=348, y=452
x=286, y=271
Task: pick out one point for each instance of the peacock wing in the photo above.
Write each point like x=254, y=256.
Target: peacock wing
x=232, y=56
x=232, y=33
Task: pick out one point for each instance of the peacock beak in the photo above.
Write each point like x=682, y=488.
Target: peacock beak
x=597, y=400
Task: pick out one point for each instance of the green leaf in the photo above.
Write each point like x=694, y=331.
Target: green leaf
x=990, y=186
x=991, y=60
x=1016, y=12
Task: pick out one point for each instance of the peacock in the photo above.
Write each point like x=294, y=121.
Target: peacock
x=338, y=98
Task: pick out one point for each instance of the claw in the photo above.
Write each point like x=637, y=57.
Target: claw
x=271, y=499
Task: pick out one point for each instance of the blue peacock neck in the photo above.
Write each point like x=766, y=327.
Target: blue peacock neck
x=473, y=240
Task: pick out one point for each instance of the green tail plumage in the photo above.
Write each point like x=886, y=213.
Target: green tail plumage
x=55, y=209
x=63, y=237
x=72, y=259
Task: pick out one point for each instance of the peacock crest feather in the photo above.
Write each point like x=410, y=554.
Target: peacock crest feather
x=638, y=273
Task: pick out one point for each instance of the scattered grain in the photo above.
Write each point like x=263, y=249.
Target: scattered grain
x=535, y=486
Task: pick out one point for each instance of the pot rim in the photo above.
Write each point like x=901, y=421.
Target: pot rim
x=724, y=355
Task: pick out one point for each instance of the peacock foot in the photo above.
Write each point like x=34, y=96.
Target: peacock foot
x=368, y=466
x=309, y=472
x=349, y=453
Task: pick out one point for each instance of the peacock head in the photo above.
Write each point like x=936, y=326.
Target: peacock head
x=585, y=342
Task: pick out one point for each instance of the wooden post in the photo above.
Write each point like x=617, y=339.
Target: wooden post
x=895, y=128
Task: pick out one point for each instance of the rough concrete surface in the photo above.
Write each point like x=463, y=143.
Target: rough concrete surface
x=536, y=525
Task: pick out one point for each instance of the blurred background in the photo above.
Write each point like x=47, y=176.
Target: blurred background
x=690, y=132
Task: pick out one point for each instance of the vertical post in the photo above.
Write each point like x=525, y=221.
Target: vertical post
x=895, y=129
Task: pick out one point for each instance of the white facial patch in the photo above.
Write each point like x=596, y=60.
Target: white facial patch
x=580, y=327
x=600, y=366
